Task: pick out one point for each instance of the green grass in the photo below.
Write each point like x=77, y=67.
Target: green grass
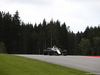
x=16, y=65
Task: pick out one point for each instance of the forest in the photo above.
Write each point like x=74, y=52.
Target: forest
x=16, y=37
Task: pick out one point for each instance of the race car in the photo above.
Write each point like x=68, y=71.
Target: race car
x=55, y=51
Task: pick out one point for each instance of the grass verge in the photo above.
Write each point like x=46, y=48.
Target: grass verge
x=16, y=65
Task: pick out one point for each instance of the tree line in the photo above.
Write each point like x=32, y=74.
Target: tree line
x=16, y=37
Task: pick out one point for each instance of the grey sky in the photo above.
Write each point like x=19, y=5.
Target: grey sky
x=78, y=14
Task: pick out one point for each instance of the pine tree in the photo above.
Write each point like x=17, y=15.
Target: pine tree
x=64, y=36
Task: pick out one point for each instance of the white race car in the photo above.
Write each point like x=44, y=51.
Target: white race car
x=55, y=51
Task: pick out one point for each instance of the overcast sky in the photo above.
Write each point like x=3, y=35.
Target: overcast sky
x=78, y=14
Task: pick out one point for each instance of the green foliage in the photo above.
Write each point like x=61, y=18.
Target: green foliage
x=77, y=49
x=15, y=65
x=2, y=47
x=85, y=46
x=19, y=37
x=96, y=50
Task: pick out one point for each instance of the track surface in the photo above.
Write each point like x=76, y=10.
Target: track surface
x=90, y=64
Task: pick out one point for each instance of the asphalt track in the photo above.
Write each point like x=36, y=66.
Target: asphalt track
x=90, y=64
